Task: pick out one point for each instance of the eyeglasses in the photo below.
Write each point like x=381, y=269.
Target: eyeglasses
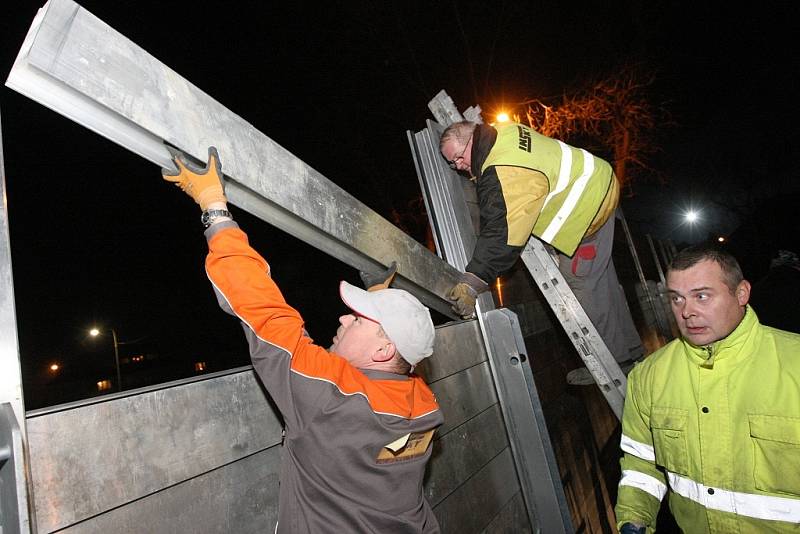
x=452, y=163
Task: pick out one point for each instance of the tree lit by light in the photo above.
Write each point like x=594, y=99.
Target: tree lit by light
x=503, y=117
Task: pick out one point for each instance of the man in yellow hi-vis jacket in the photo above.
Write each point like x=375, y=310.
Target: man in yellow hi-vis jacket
x=713, y=418
x=528, y=185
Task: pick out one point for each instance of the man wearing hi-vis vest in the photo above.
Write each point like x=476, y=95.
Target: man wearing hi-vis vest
x=529, y=184
x=713, y=418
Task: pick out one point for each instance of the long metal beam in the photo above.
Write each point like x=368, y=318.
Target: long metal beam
x=75, y=64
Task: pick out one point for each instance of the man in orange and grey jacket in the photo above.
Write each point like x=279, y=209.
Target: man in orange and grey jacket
x=358, y=422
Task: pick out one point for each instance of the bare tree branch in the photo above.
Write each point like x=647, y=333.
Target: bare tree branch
x=615, y=116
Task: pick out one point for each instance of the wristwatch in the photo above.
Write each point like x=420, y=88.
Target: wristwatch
x=208, y=216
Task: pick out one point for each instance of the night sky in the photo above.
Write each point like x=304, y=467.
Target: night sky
x=98, y=238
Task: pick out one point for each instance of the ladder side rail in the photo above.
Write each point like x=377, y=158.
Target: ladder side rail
x=579, y=328
x=655, y=258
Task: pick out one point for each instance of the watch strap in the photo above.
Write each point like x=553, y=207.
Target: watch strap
x=208, y=216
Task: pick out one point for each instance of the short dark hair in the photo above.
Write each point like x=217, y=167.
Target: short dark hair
x=692, y=255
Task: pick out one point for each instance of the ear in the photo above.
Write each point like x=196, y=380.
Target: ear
x=743, y=292
x=385, y=353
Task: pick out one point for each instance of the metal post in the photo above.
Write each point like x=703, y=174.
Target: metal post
x=116, y=359
x=664, y=255
x=672, y=249
x=14, y=515
x=662, y=329
x=14, y=470
x=655, y=259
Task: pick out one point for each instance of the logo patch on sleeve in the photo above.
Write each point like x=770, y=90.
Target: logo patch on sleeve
x=406, y=448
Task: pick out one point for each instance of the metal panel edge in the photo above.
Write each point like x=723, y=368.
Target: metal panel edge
x=530, y=441
x=10, y=369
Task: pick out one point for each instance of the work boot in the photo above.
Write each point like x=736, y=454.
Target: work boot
x=582, y=376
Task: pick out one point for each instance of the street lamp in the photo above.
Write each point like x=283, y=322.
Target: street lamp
x=94, y=332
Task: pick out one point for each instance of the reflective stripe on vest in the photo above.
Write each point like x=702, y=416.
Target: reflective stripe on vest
x=573, y=196
x=644, y=482
x=638, y=449
x=746, y=504
x=564, y=172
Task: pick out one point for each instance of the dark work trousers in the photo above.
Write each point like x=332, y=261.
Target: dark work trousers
x=591, y=275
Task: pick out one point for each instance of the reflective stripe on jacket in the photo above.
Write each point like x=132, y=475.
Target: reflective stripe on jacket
x=718, y=428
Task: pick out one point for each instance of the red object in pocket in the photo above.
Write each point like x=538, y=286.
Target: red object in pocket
x=584, y=252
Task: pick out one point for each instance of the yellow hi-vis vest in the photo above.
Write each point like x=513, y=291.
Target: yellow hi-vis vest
x=578, y=181
x=719, y=428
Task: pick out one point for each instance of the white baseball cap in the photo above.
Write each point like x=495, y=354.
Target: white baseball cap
x=404, y=319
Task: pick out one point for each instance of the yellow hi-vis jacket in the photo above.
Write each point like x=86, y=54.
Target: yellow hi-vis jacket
x=719, y=428
x=576, y=196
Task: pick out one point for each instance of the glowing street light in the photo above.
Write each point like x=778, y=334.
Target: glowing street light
x=503, y=117
x=94, y=332
x=54, y=367
x=691, y=216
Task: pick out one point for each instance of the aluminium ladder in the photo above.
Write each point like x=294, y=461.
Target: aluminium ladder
x=579, y=328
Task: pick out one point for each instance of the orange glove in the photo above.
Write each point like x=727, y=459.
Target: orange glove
x=203, y=185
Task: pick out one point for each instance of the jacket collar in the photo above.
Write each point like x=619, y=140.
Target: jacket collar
x=730, y=349
x=483, y=140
